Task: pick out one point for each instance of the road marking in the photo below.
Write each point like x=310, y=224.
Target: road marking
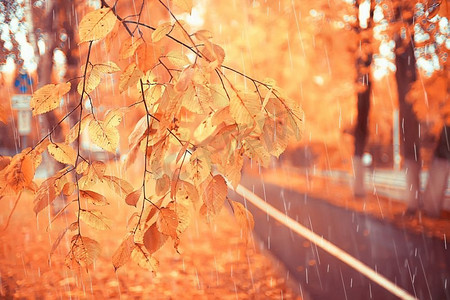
x=324, y=244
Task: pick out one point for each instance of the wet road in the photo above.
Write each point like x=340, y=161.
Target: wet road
x=418, y=264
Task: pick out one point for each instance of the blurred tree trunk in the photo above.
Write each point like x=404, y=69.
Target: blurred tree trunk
x=364, y=84
x=45, y=68
x=409, y=125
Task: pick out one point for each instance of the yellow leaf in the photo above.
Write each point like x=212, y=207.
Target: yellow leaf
x=167, y=222
x=122, y=187
x=186, y=193
x=185, y=81
x=73, y=132
x=18, y=174
x=114, y=117
x=89, y=84
x=147, y=56
x=215, y=194
x=68, y=188
x=161, y=31
x=276, y=135
x=123, y=253
x=46, y=194
x=129, y=47
x=96, y=24
x=153, y=94
x=178, y=59
x=203, y=35
x=133, y=198
x=231, y=168
x=48, y=97
x=129, y=77
x=61, y=235
x=108, y=67
x=183, y=216
x=103, y=136
x=93, y=197
x=245, y=109
x=243, y=217
x=154, y=239
x=255, y=149
x=162, y=185
x=184, y=5
x=143, y=259
x=199, y=166
x=62, y=153
x=95, y=219
x=213, y=52
x=83, y=251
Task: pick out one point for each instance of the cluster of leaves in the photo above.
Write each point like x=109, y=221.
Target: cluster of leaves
x=196, y=128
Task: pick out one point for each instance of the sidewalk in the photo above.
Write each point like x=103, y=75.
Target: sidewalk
x=380, y=202
x=215, y=263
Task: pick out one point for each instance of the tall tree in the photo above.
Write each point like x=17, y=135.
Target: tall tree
x=364, y=30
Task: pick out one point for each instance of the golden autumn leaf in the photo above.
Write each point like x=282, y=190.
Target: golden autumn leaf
x=96, y=24
x=129, y=77
x=91, y=81
x=106, y=137
x=178, y=59
x=215, y=194
x=184, y=5
x=48, y=97
x=68, y=188
x=183, y=216
x=154, y=239
x=46, y=194
x=294, y=115
x=17, y=174
x=245, y=109
x=114, y=117
x=153, y=94
x=186, y=193
x=95, y=219
x=120, y=186
x=147, y=56
x=93, y=173
x=93, y=197
x=203, y=35
x=199, y=166
x=129, y=47
x=73, y=132
x=276, y=136
x=162, y=185
x=231, y=168
x=123, y=254
x=83, y=251
x=58, y=240
x=255, y=150
x=133, y=198
x=243, y=217
x=107, y=67
x=143, y=259
x=213, y=52
x=62, y=153
x=167, y=222
x=161, y=31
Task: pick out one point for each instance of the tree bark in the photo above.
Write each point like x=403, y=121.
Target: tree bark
x=409, y=125
x=364, y=85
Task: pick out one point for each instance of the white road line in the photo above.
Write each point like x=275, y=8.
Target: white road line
x=324, y=244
